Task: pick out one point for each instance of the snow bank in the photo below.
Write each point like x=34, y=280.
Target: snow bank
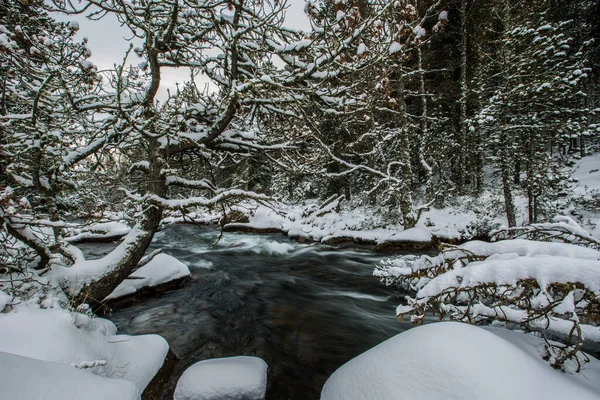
x=450, y=360
x=233, y=378
x=162, y=269
x=77, y=341
x=324, y=224
x=30, y=379
x=101, y=231
x=381, y=236
x=266, y=218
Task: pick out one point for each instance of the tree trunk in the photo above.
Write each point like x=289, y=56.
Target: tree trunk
x=509, y=203
x=134, y=246
x=405, y=189
x=424, y=131
x=462, y=135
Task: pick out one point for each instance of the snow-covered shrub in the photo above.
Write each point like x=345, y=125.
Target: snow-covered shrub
x=548, y=287
x=482, y=227
x=562, y=228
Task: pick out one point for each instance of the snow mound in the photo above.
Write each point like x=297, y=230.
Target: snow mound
x=162, y=269
x=232, y=378
x=449, y=360
x=78, y=341
x=266, y=218
x=112, y=230
x=23, y=378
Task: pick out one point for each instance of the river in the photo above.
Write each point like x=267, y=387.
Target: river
x=304, y=308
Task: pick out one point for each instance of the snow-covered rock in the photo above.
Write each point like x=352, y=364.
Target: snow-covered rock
x=79, y=342
x=450, y=360
x=232, y=378
x=23, y=378
x=162, y=269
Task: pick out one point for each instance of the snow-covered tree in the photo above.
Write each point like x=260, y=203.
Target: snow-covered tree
x=50, y=95
x=535, y=104
x=361, y=120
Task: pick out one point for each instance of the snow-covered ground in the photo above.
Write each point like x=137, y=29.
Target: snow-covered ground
x=52, y=353
x=450, y=360
x=462, y=218
x=586, y=187
x=232, y=378
x=587, y=176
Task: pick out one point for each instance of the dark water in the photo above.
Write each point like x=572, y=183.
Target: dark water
x=305, y=309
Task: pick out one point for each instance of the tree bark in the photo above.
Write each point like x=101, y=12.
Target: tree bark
x=462, y=135
x=133, y=250
x=405, y=189
x=509, y=203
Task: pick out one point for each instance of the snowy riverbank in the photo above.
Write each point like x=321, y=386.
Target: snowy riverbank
x=50, y=353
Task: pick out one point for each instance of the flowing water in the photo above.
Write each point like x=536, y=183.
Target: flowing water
x=304, y=308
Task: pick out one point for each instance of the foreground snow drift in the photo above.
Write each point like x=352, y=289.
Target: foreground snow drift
x=29, y=379
x=451, y=360
x=76, y=345
x=162, y=269
x=233, y=378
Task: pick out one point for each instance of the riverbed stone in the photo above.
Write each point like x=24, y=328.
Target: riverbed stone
x=231, y=378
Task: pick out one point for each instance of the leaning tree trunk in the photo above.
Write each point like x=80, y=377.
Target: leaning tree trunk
x=134, y=246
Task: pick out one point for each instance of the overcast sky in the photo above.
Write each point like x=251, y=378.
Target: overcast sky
x=107, y=40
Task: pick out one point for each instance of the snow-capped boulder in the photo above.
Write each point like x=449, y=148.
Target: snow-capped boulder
x=450, y=360
x=231, y=378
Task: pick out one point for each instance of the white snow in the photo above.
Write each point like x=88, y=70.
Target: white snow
x=58, y=336
x=419, y=31
x=450, y=360
x=362, y=49
x=82, y=272
x=99, y=231
x=232, y=378
x=30, y=379
x=544, y=269
x=324, y=224
x=529, y=248
x=162, y=269
x=395, y=47
x=587, y=175
x=4, y=300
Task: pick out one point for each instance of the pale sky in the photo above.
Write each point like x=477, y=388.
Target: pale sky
x=107, y=41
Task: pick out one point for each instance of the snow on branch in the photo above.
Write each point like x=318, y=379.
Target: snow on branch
x=232, y=194
x=547, y=287
x=562, y=228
